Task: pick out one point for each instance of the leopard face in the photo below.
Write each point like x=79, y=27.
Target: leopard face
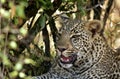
x=80, y=43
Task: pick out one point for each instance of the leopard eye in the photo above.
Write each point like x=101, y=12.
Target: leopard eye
x=58, y=36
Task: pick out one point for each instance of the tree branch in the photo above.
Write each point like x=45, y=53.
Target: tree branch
x=107, y=14
x=23, y=43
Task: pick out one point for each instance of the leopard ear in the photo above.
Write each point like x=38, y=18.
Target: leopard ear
x=94, y=26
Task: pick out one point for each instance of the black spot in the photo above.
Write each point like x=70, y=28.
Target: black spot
x=92, y=47
x=93, y=32
x=84, y=50
x=86, y=60
x=82, y=57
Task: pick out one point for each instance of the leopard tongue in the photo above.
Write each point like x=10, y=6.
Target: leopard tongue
x=66, y=59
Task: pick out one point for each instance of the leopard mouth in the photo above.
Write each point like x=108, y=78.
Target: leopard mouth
x=68, y=59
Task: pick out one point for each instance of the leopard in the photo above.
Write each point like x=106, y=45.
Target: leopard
x=83, y=53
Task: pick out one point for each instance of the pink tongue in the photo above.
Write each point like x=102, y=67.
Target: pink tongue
x=65, y=58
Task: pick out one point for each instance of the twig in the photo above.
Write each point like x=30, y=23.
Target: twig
x=70, y=12
x=107, y=14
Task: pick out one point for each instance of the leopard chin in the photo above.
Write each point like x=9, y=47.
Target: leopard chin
x=65, y=65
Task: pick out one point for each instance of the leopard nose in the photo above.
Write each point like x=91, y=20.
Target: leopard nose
x=62, y=49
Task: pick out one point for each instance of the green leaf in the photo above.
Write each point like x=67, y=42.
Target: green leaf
x=5, y=59
x=4, y=13
x=18, y=66
x=13, y=44
x=42, y=21
x=14, y=73
x=20, y=11
x=22, y=75
x=3, y=1
x=23, y=31
x=29, y=61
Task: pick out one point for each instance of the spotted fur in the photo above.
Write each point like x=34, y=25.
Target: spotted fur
x=83, y=43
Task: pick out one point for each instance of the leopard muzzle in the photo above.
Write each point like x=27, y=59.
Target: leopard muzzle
x=67, y=57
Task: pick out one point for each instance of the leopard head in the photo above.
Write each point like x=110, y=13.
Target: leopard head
x=76, y=43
